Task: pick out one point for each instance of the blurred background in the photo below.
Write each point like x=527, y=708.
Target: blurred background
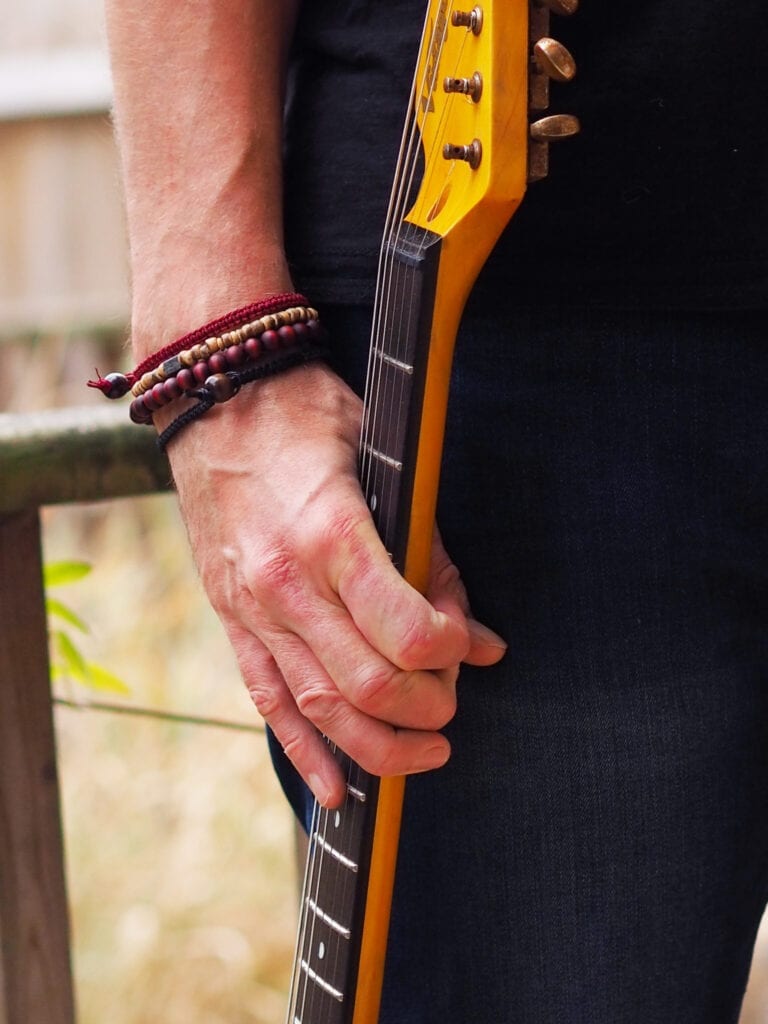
x=179, y=847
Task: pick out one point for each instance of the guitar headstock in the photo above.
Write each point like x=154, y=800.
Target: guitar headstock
x=481, y=88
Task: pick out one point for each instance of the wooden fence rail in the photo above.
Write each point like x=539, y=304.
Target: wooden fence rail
x=67, y=455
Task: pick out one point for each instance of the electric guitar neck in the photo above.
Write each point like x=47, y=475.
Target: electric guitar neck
x=475, y=134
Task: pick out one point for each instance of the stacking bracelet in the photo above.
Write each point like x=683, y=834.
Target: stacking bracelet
x=214, y=361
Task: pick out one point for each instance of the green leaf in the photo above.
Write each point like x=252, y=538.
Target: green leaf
x=73, y=663
x=100, y=678
x=55, y=607
x=55, y=574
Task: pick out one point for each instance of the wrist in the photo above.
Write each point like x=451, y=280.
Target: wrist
x=196, y=290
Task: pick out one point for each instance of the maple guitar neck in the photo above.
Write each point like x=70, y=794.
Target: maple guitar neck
x=478, y=75
x=337, y=889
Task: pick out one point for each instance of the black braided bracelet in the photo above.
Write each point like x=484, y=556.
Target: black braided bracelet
x=220, y=387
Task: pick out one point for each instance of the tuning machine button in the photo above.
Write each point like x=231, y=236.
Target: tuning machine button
x=564, y=7
x=554, y=60
x=546, y=130
x=551, y=61
x=555, y=127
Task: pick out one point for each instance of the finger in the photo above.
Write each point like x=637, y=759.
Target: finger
x=416, y=700
x=288, y=603
x=378, y=747
x=303, y=745
x=393, y=617
x=448, y=594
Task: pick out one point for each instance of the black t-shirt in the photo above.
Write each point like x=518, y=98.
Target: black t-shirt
x=661, y=201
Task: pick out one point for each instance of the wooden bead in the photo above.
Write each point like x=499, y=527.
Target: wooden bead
x=222, y=386
x=118, y=385
x=236, y=355
x=200, y=371
x=253, y=347
x=139, y=412
x=185, y=379
x=172, y=389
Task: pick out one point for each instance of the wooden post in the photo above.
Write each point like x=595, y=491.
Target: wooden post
x=35, y=973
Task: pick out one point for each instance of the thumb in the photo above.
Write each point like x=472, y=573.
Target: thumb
x=447, y=593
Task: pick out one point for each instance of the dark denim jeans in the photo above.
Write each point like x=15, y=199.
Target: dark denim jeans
x=596, y=850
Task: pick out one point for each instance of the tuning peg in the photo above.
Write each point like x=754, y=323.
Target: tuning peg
x=544, y=131
x=472, y=87
x=469, y=19
x=554, y=60
x=564, y=7
x=555, y=127
x=471, y=154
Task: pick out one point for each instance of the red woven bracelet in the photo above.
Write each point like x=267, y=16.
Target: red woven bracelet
x=115, y=385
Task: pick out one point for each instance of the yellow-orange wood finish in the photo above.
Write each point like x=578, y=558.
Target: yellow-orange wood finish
x=468, y=208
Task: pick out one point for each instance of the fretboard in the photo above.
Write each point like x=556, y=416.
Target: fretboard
x=336, y=882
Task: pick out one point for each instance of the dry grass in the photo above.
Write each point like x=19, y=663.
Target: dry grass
x=179, y=845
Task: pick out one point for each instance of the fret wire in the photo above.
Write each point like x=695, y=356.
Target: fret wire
x=407, y=158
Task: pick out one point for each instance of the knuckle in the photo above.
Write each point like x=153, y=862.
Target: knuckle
x=294, y=745
x=269, y=701
x=273, y=573
x=413, y=646
x=340, y=531
x=448, y=578
x=373, y=687
x=318, y=703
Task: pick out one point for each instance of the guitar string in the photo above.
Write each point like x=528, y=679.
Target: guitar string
x=433, y=163
x=390, y=321
x=296, y=982
x=377, y=341
x=406, y=230
x=395, y=216
x=318, y=856
x=382, y=310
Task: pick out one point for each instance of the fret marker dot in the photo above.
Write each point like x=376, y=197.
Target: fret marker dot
x=321, y=951
x=337, y=819
x=374, y=502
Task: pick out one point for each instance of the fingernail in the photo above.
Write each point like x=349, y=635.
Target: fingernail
x=482, y=635
x=436, y=757
x=320, y=789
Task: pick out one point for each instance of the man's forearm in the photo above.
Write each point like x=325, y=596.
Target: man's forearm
x=198, y=110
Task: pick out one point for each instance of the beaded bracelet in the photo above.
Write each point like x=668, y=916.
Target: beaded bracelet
x=115, y=385
x=220, y=387
x=186, y=377
x=230, y=349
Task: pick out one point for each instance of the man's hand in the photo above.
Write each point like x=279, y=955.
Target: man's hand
x=329, y=637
